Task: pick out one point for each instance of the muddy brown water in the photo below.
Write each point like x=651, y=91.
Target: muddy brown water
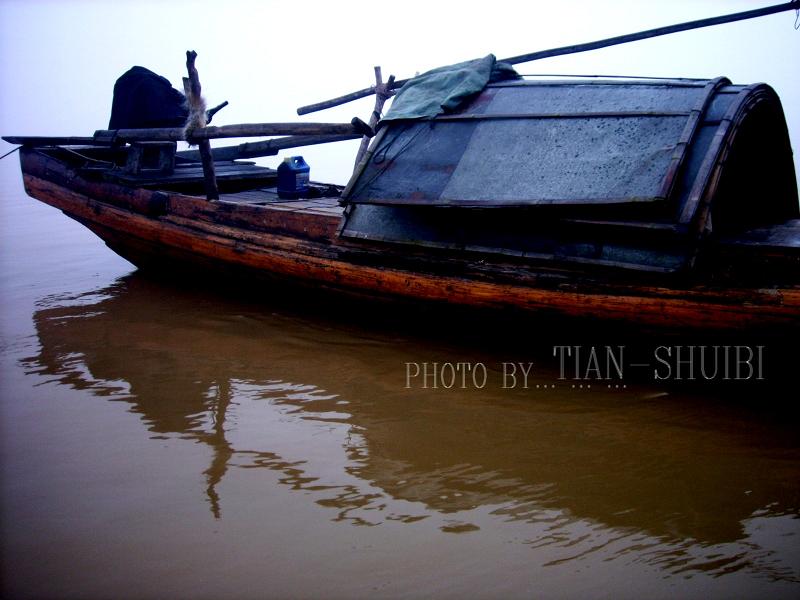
x=166, y=440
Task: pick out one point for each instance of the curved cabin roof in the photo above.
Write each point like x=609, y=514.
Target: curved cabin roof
x=679, y=157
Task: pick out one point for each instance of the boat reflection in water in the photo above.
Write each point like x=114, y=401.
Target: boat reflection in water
x=652, y=476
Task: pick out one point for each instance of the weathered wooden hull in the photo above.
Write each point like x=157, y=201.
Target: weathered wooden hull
x=171, y=230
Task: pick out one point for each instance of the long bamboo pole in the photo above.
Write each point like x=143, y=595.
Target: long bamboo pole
x=585, y=47
x=651, y=33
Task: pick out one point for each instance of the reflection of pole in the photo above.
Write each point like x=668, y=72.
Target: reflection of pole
x=222, y=449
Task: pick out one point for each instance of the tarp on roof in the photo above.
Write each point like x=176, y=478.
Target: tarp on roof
x=444, y=89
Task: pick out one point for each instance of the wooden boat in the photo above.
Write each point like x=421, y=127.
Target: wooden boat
x=669, y=202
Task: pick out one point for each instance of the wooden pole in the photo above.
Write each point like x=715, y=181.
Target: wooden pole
x=304, y=110
x=355, y=127
x=585, y=47
x=651, y=33
x=266, y=147
x=197, y=121
x=39, y=141
x=212, y=111
x=382, y=93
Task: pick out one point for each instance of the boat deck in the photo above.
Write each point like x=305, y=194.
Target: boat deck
x=268, y=197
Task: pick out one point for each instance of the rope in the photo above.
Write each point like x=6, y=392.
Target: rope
x=198, y=116
x=87, y=158
x=10, y=152
x=380, y=156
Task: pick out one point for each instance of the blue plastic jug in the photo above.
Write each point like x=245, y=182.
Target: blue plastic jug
x=293, y=177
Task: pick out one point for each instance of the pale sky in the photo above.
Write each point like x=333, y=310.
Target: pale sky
x=59, y=59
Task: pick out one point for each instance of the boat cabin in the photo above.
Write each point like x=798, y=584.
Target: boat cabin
x=673, y=180
x=624, y=173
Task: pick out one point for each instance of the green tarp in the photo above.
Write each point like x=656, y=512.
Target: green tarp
x=444, y=89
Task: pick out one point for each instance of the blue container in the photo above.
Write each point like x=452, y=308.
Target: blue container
x=293, y=177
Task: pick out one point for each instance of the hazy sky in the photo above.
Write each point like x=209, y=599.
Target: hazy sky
x=59, y=59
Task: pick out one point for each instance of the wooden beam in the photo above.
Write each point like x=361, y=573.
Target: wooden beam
x=382, y=94
x=196, y=123
x=301, y=134
x=36, y=141
x=267, y=147
x=356, y=126
x=304, y=110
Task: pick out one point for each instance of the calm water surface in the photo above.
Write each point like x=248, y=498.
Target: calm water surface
x=163, y=441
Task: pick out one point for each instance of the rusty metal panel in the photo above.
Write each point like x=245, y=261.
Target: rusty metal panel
x=521, y=162
x=565, y=161
x=536, y=143
x=413, y=163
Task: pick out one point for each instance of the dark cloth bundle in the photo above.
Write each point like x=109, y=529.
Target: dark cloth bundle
x=144, y=99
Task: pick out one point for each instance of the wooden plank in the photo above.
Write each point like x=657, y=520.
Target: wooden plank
x=250, y=150
x=195, y=174
x=34, y=141
x=784, y=237
x=251, y=197
x=269, y=195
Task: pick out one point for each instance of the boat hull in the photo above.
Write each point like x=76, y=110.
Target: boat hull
x=161, y=231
